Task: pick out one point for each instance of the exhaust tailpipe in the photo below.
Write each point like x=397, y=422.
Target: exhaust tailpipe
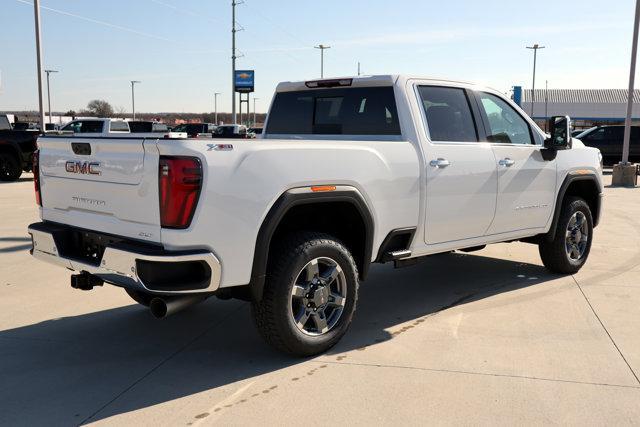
x=166, y=306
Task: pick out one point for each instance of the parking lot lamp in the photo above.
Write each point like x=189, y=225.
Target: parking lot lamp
x=36, y=14
x=215, y=108
x=632, y=76
x=535, y=49
x=322, y=49
x=254, y=110
x=49, y=91
x=133, y=97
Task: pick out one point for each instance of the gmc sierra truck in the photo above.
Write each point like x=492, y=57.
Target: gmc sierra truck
x=349, y=172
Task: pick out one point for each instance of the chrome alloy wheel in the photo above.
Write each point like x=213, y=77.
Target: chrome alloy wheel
x=318, y=296
x=577, y=236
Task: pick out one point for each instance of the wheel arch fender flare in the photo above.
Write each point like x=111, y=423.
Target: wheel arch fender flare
x=304, y=196
x=566, y=184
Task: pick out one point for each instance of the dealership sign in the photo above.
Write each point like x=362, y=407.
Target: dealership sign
x=244, y=80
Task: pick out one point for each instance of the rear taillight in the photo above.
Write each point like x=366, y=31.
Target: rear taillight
x=36, y=175
x=180, y=180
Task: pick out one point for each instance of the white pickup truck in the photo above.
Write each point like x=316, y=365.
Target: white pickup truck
x=111, y=128
x=350, y=172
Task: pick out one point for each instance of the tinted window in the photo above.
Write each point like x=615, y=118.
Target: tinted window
x=137, y=127
x=614, y=134
x=92, y=126
x=344, y=111
x=503, y=123
x=448, y=114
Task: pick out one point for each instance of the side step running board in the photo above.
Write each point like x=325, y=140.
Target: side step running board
x=392, y=256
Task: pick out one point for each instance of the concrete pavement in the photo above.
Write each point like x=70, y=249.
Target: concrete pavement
x=482, y=338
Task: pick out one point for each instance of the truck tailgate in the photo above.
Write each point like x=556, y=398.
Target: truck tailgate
x=107, y=185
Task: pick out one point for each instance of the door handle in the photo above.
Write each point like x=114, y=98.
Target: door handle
x=507, y=162
x=439, y=163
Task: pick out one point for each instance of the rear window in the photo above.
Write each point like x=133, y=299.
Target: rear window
x=343, y=111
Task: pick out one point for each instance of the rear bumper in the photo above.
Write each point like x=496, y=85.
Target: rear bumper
x=149, y=269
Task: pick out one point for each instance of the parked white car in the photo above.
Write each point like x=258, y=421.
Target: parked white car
x=350, y=172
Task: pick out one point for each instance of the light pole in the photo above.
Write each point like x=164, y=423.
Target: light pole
x=632, y=77
x=254, y=110
x=215, y=107
x=133, y=97
x=322, y=49
x=36, y=14
x=625, y=173
x=546, y=99
x=49, y=91
x=535, y=48
x=234, y=30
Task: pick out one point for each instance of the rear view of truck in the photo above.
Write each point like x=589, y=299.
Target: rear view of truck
x=104, y=205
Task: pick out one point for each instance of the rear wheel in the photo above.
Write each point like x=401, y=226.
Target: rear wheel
x=140, y=297
x=310, y=295
x=570, y=247
x=10, y=169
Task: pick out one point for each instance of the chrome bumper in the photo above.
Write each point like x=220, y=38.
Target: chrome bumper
x=119, y=267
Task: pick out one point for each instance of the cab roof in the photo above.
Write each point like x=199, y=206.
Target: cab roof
x=358, y=81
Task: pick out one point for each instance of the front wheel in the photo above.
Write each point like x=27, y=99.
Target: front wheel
x=309, y=296
x=569, y=249
x=10, y=169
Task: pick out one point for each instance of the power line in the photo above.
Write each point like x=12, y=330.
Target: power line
x=185, y=11
x=95, y=21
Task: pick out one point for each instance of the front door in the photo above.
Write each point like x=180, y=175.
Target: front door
x=461, y=171
x=526, y=182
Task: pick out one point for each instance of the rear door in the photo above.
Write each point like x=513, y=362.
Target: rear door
x=100, y=184
x=461, y=171
x=526, y=182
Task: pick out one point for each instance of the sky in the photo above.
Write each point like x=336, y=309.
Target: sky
x=181, y=49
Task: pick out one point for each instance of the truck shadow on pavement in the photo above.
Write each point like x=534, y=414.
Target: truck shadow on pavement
x=89, y=367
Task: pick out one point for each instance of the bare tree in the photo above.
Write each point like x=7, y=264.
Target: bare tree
x=100, y=108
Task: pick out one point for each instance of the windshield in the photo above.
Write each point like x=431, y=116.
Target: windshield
x=586, y=132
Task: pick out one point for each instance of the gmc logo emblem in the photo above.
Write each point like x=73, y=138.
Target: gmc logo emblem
x=84, y=168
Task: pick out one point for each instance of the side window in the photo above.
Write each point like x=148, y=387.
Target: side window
x=614, y=134
x=119, y=127
x=92, y=126
x=448, y=114
x=503, y=123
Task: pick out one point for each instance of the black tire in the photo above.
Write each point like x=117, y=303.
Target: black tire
x=554, y=253
x=273, y=315
x=140, y=297
x=10, y=169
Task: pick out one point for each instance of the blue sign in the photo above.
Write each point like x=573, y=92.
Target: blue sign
x=517, y=95
x=244, y=80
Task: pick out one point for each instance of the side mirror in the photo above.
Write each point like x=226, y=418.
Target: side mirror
x=560, y=130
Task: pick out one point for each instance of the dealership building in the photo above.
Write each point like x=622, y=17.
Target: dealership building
x=586, y=107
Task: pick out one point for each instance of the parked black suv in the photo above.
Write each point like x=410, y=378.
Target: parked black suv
x=16, y=152
x=609, y=139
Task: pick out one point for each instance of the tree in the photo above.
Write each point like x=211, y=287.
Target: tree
x=100, y=108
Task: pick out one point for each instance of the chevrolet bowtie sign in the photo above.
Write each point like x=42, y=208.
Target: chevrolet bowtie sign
x=244, y=80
